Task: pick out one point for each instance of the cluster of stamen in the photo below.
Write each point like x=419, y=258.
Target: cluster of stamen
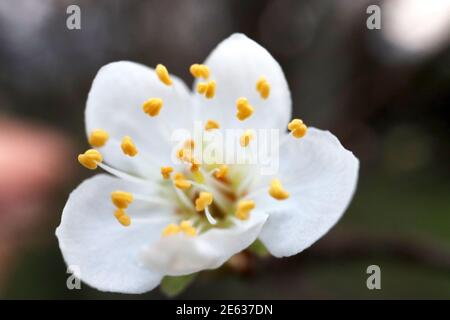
x=203, y=199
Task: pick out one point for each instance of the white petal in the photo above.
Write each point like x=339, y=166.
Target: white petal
x=105, y=252
x=115, y=105
x=321, y=177
x=180, y=254
x=236, y=65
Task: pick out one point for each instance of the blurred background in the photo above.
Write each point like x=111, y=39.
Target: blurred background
x=384, y=93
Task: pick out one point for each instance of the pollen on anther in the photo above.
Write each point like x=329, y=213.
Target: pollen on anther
x=244, y=109
x=204, y=199
x=121, y=199
x=166, y=171
x=208, y=89
x=263, y=87
x=128, y=146
x=90, y=159
x=298, y=128
x=152, y=106
x=221, y=172
x=122, y=217
x=163, y=74
x=245, y=138
x=243, y=209
x=98, y=138
x=211, y=124
x=199, y=71
x=180, y=181
x=277, y=191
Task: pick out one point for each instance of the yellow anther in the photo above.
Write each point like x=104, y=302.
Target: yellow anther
x=152, y=106
x=189, y=144
x=128, y=146
x=221, y=172
x=246, y=137
x=263, y=87
x=171, y=229
x=187, y=228
x=243, y=209
x=211, y=124
x=207, y=88
x=166, y=171
x=122, y=217
x=244, y=108
x=180, y=181
x=277, y=191
x=90, y=159
x=163, y=74
x=204, y=199
x=199, y=71
x=98, y=138
x=121, y=199
x=298, y=128
x=195, y=166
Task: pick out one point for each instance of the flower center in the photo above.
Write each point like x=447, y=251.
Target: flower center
x=203, y=195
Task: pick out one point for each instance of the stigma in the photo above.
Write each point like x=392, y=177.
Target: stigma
x=90, y=159
x=199, y=71
x=128, y=146
x=263, y=87
x=204, y=199
x=152, y=106
x=163, y=74
x=122, y=217
x=298, y=128
x=98, y=138
x=243, y=209
x=277, y=191
x=207, y=88
x=211, y=124
x=121, y=199
x=244, y=108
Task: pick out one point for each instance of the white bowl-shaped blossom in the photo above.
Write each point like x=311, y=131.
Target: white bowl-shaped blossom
x=152, y=217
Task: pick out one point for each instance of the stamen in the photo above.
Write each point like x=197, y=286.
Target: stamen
x=263, y=87
x=244, y=108
x=298, y=128
x=187, y=228
x=211, y=124
x=243, y=209
x=207, y=88
x=128, y=146
x=166, y=171
x=246, y=137
x=98, y=138
x=180, y=181
x=171, y=229
x=277, y=191
x=152, y=106
x=90, y=159
x=204, y=199
x=163, y=74
x=121, y=199
x=199, y=71
x=122, y=217
x=221, y=172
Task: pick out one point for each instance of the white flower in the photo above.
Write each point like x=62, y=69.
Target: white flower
x=198, y=219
